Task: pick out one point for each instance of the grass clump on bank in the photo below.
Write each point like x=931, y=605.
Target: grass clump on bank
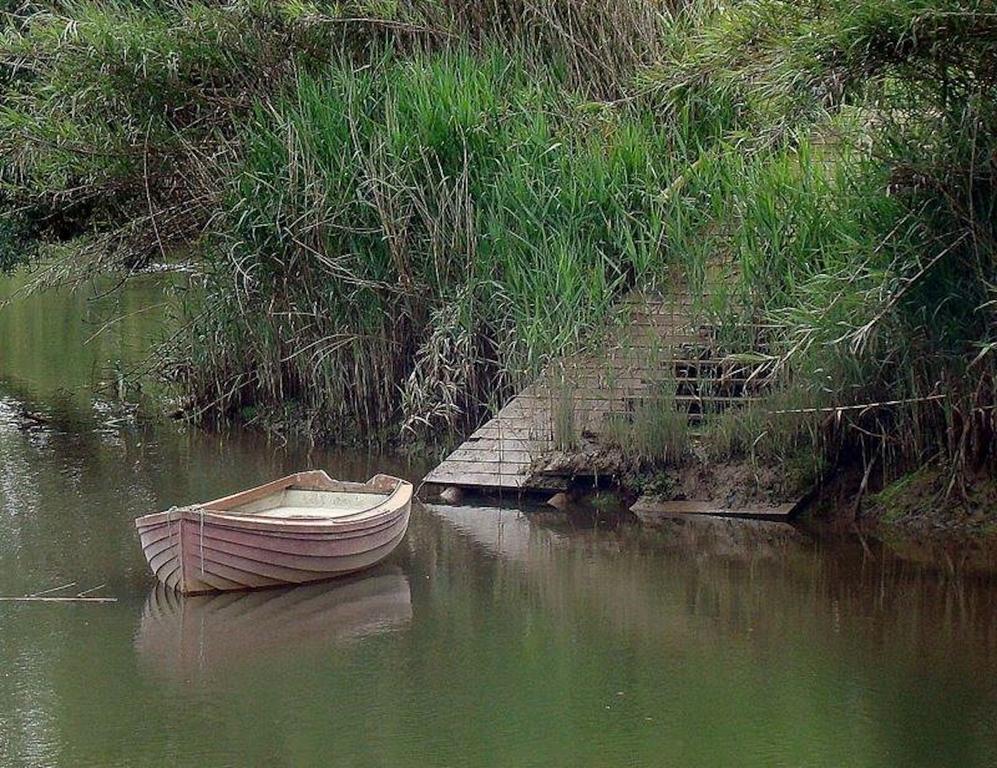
x=461, y=217
x=400, y=213
x=846, y=172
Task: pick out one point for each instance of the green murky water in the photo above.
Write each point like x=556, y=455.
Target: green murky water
x=491, y=638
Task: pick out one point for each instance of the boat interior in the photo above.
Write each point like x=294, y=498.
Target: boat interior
x=306, y=503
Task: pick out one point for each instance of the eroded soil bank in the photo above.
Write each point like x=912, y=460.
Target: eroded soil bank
x=932, y=503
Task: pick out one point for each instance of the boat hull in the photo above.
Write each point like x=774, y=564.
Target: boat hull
x=201, y=549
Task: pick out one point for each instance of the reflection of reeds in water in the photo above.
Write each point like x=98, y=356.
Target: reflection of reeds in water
x=703, y=581
x=513, y=535
x=635, y=579
x=179, y=636
x=728, y=538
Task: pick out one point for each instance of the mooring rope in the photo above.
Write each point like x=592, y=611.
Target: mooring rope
x=201, y=510
x=171, y=517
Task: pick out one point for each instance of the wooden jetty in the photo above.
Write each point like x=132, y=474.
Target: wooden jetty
x=665, y=352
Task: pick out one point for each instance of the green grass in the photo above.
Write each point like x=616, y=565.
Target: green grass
x=447, y=210
x=891, y=498
x=656, y=433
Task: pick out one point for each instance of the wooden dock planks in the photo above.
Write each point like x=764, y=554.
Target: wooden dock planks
x=499, y=454
x=662, y=344
x=587, y=389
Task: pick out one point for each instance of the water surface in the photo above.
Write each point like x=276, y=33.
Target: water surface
x=497, y=636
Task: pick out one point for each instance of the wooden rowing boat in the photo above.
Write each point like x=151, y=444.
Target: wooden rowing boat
x=302, y=528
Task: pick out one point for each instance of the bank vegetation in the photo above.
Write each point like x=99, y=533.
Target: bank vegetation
x=401, y=211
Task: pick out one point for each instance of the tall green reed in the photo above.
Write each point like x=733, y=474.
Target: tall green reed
x=380, y=213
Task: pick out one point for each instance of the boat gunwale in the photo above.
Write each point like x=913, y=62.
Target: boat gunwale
x=270, y=526
x=218, y=525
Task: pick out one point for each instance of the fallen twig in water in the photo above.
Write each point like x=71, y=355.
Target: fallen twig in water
x=54, y=589
x=79, y=597
x=30, y=599
x=92, y=589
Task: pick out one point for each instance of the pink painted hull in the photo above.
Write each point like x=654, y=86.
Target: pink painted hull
x=208, y=548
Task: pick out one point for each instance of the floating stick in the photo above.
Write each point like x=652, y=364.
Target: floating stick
x=92, y=589
x=37, y=597
x=30, y=599
x=54, y=589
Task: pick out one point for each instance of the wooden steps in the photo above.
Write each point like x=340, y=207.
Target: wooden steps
x=499, y=454
x=665, y=351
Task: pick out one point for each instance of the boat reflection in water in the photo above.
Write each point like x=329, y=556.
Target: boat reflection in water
x=184, y=637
